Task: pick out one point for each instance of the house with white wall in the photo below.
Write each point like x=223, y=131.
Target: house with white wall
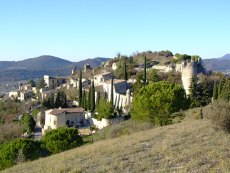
x=71, y=117
x=101, y=78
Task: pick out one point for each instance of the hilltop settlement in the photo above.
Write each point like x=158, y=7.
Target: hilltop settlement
x=153, y=87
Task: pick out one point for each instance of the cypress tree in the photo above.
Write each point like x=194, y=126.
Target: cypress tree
x=215, y=92
x=92, y=97
x=221, y=85
x=111, y=94
x=145, y=73
x=89, y=99
x=98, y=98
x=80, y=89
x=84, y=100
x=125, y=71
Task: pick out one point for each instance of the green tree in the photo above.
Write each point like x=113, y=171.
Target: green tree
x=215, y=92
x=111, y=92
x=145, y=72
x=225, y=91
x=28, y=123
x=153, y=76
x=92, y=97
x=80, y=90
x=61, y=100
x=61, y=139
x=157, y=101
x=49, y=103
x=221, y=85
x=104, y=109
x=136, y=87
x=84, y=100
x=32, y=83
x=41, y=84
x=89, y=98
x=125, y=70
x=98, y=99
x=19, y=150
x=194, y=94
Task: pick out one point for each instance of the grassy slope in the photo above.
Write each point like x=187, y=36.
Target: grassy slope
x=186, y=147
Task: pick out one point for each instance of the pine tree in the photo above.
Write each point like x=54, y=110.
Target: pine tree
x=92, y=97
x=125, y=70
x=215, y=92
x=145, y=73
x=80, y=89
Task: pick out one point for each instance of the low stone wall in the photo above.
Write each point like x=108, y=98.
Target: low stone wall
x=105, y=122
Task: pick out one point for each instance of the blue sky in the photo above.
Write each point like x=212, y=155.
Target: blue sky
x=80, y=29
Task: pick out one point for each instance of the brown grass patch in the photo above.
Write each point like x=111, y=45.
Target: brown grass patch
x=186, y=147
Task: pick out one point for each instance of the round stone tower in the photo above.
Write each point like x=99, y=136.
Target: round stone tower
x=188, y=71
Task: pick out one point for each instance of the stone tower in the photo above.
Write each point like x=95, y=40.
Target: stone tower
x=188, y=70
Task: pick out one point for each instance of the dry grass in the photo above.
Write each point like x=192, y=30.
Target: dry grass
x=191, y=146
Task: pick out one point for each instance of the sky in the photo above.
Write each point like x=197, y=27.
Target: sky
x=80, y=29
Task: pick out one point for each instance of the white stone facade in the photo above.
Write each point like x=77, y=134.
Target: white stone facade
x=55, y=118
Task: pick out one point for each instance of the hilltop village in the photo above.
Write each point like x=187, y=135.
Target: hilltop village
x=106, y=86
x=124, y=95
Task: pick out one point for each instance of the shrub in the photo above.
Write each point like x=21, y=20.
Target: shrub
x=19, y=150
x=218, y=113
x=61, y=139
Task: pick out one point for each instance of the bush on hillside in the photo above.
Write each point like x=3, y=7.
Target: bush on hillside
x=19, y=150
x=218, y=113
x=61, y=139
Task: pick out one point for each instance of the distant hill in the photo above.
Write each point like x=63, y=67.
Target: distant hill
x=221, y=64
x=43, y=65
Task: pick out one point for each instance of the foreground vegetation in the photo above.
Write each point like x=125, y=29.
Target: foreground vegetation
x=191, y=146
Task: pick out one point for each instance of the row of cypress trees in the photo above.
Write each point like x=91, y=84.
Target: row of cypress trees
x=86, y=103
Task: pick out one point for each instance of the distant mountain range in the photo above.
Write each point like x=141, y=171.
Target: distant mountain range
x=221, y=64
x=43, y=65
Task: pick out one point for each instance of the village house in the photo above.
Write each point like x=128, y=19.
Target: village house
x=25, y=95
x=14, y=94
x=46, y=93
x=52, y=82
x=121, y=92
x=71, y=117
x=100, y=78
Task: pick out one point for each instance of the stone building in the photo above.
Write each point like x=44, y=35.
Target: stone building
x=71, y=117
x=52, y=82
x=101, y=78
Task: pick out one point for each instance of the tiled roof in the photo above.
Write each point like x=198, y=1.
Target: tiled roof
x=67, y=110
x=103, y=74
x=57, y=111
x=72, y=110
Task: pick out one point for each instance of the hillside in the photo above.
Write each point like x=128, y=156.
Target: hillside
x=221, y=64
x=191, y=146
